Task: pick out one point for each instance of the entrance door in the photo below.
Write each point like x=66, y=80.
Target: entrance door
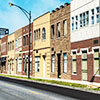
x=59, y=69
x=27, y=65
x=84, y=66
x=43, y=66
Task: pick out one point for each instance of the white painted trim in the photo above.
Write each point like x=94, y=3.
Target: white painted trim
x=84, y=49
x=27, y=51
x=73, y=50
x=97, y=47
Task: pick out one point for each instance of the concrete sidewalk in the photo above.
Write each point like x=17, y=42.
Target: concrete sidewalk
x=89, y=84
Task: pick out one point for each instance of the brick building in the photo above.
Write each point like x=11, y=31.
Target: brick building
x=11, y=54
x=25, y=49
x=18, y=51
x=4, y=52
x=60, y=42
x=85, y=40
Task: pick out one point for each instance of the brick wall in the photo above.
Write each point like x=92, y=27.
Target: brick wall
x=61, y=45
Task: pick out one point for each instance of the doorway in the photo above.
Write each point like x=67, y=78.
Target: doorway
x=84, y=66
x=59, y=66
x=44, y=66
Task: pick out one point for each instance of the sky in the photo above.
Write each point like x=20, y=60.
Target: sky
x=13, y=18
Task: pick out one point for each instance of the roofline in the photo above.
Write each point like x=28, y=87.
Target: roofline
x=41, y=15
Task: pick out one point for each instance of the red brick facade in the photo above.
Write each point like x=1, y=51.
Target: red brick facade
x=89, y=44
x=25, y=47
x=4, y=51
x=61, y=45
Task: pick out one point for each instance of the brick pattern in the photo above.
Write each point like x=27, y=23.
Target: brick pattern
x=25, y=49
x=90, y=59
x=61, y=45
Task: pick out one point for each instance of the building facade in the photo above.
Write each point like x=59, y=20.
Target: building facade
x=4, y=49
x=60, y=42
x=25, y=49
x=11, y=54
x=18, y=51
x=85, y=40
x=41, y=43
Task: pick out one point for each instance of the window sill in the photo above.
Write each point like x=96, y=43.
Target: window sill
x=97, y=75
x=74, y=74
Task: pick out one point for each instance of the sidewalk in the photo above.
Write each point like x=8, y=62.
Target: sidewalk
x=89, y=84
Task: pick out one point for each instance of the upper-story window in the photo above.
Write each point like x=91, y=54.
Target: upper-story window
x=65, y=27
x=24, y=41
x=84, y=22
x=97, y=15
x=8, y=46
x=87, y=17
x=52, y=31
x=16, y=43
x=39, y=33
x=58, y=30
x=76, y=23
x=80, y=20
x=92, y=16
x=72, y=23
x=30, y=37
x=43, y=34
x=12, y=45
x=34, y=35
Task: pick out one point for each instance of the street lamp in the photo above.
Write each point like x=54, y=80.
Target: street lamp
x=28, y=15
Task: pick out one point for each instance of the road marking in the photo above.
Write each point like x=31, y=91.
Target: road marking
x=8, y=84
x=25, y=89
x=34, y=92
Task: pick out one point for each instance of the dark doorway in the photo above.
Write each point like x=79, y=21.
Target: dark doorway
x=59, y=69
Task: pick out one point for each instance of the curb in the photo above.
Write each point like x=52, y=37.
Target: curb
x=63, y=90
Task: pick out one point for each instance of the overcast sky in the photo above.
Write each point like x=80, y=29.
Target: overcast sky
x=13, y=18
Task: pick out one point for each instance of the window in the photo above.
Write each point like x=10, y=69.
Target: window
x=24, y=41
x=16, y=43
x=43, y=34
x=97, y=15
x=24, y=64
x=39, y=34
x=96, y=62
x=84, y=19
x=34, y=35
x=30, y=38
x=20, y=42
x=53, y=63
x=65, y=27
x=80, y=20
x=52, y=32
x=19, y=64
x=72, y=23
x=65, y=63
x=8, y=46
x=58, y=30
x=76, y=23
x=74, y=69
x=12, y=45
x=37, y=64
x=87, y=17
x=92, y=16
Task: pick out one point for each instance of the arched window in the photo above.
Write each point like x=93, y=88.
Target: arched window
x=43, y=34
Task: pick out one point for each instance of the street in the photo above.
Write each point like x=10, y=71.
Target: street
x=12, y=91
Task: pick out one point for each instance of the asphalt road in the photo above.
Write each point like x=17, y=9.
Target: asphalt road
x=12, y=91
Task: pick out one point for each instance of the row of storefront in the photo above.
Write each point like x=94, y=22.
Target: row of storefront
x=60, y=47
